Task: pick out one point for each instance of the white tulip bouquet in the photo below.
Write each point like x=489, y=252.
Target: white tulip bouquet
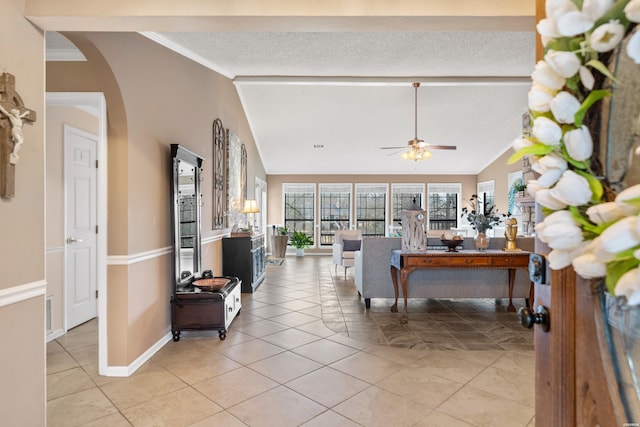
x=599, y=237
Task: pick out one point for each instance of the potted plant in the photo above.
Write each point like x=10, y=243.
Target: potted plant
x=300, y=241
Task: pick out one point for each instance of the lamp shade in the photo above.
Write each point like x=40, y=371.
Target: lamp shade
x=250, y=206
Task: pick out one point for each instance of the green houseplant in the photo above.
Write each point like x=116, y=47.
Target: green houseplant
x=300, y=241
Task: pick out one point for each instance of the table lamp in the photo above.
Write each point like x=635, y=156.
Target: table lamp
x=251, y=207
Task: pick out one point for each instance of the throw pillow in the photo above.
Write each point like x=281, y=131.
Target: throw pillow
x=351, y=245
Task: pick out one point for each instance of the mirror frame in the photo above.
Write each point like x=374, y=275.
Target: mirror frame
x=181, y=154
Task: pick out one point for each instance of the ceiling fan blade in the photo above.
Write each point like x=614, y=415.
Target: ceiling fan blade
x=441, y=147
x=393, y=148
x=396, y=152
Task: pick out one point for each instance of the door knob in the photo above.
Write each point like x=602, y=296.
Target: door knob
x=527, y=318
x=71, y=240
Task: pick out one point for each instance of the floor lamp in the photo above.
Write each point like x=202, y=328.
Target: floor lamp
x=251, y=207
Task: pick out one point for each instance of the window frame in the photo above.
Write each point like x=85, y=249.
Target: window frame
x=289, y=188
x=348, y=187
x=454, y=187
x=359, y=187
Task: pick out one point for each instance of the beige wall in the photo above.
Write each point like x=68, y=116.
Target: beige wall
x=57, y=117
x=154, y=98
x=22, y=255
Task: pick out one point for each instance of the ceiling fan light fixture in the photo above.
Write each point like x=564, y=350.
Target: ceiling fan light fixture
x=417, y=151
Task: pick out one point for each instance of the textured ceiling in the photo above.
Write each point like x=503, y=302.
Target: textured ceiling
x=351, y=93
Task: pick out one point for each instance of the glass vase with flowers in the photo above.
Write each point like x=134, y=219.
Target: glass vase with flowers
x=482, y=217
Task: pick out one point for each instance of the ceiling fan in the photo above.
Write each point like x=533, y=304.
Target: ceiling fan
x=417, y=148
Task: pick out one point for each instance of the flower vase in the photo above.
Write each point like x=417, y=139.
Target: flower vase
x=481, y=241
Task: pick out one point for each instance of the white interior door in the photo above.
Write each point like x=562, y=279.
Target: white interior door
x=80, y=171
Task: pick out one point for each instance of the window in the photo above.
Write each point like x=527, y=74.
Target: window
x=299, y=203
x=486, y=199
x=403, y=196
x=371, y=209
x=335, y=210
x=444, y=201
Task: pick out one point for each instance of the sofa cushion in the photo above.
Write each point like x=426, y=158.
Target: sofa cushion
x=351, y=245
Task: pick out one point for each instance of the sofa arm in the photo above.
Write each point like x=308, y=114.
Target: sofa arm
x=337, y=253
x=357, y=271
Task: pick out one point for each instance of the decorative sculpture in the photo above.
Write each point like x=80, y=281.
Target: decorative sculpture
x=414, y=229
x=13, y=114
x=510, y=233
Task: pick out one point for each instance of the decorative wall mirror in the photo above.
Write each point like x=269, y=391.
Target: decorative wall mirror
x=236, y=179
x=219, y=173
x=186, y=200
x=621, y=118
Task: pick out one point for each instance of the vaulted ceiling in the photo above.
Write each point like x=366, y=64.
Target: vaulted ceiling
x=325, y=100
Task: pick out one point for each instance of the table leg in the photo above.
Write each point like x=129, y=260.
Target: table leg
x=394, y=279
x=404, y=276
x=512, y=279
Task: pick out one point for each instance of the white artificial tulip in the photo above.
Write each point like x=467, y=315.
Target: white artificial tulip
x=573, y=23
x=578, y=143
x=562, y=236
x=632, y=11
x=595, y=9
x=565, y=64
x=533, y=187
x=572, y=189
x=606, y=36
x=520, y=143
x=550, y=161
x=586, y=78
x=629, y=200
x=546, y=131
x=539, y=98
x=548, y=201
x=560, y=217
x=589, y=266
x=564, y=107
x=595, y=247
x=550, y=168
x=633, y=47
x=553, y=6
x=550, y=177
x=629, y=286
x=544, y=75
x=559, y=259
x=548, y=30
x=620, y=236
x=605, y=213
x=539, y=229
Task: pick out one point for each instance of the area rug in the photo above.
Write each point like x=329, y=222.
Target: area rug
x=274, y=261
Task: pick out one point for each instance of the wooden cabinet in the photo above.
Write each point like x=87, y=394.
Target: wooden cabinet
x=192, y=309
x=243, y=257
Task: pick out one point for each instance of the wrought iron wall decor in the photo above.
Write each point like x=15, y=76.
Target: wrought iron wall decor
x=219, y=174
x=236, y=179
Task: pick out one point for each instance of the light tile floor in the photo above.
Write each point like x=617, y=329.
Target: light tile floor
x=282, y=365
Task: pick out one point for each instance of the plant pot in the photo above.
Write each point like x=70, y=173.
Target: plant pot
x=481, y=241
x=279, y=245
x=299, y=251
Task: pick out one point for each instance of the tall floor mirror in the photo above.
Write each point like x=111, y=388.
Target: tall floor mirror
x=186, y=199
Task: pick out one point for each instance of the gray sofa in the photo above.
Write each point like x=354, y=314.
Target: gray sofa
x=373, y=276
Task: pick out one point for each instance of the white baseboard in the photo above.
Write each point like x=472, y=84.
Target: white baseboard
x=127, y=371
x=57, y=333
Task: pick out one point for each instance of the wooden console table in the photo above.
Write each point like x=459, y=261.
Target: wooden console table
x=406, y=262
